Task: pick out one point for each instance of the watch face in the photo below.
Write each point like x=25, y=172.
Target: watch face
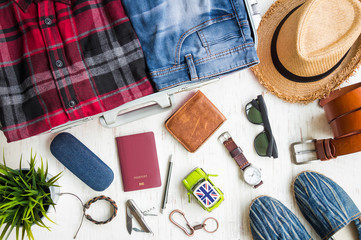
x=252, y=175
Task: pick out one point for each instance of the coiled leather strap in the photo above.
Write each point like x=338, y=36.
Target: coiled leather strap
x=343, y=113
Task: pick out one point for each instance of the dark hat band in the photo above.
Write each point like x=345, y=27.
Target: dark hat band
x=282, y=70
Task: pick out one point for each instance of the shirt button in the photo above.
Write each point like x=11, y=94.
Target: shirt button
x=71, y=103
x=48, y=21
x=59, y=63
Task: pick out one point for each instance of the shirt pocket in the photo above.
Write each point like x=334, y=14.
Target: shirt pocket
x=115, y=64
x=108, y=46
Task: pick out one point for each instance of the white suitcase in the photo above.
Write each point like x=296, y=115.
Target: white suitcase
x=160, y=101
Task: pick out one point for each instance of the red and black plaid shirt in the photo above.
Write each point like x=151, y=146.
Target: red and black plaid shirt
x=62, y=60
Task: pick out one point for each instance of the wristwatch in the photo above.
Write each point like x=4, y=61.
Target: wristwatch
x=251, y=174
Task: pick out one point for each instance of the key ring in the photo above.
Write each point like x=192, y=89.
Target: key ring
x=204, y=224
x=191, y=229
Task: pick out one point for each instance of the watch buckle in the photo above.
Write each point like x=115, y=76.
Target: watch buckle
x=224, y=137
x=304, y=152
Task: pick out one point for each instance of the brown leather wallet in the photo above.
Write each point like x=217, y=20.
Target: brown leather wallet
x=194, y=122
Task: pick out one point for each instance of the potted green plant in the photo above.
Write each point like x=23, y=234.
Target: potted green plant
x=25, y=197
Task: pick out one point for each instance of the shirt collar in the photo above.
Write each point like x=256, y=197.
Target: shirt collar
x=24, y=4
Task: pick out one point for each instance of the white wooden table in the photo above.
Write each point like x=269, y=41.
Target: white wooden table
x=290, y=123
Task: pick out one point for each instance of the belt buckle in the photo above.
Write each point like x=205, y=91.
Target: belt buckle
x=304, y=152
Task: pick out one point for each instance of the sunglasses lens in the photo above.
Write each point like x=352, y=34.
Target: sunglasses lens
x=261, y=144
x=253, y=115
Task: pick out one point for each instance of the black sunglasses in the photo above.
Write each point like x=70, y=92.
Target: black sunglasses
x=264, y=143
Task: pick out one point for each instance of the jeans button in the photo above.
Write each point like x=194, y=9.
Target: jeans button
x=48, y=21
x=71, y=103
x=59, y=63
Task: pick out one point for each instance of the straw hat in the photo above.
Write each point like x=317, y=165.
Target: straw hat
x=308, y=47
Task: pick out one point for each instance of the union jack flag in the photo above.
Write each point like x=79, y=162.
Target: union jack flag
x=206, y=194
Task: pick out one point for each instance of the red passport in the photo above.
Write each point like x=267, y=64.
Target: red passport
x=138, y=161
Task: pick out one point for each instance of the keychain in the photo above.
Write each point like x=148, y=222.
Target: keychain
x=192, y=228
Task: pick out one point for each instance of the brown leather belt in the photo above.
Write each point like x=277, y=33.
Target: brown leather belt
x=343, y=113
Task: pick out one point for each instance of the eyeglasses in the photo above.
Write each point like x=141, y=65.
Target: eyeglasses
x=264, y=143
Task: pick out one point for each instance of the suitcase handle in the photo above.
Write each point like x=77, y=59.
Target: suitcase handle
x=137, y=109
x=254, y=16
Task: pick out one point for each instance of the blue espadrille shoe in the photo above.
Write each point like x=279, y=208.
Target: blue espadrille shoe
x=271, y=220
x=325, y=205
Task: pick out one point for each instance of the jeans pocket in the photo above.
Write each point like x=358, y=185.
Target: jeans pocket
x=221, y=36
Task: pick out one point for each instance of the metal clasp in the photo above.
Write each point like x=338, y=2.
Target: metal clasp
x=304, y=152
x=193, y=228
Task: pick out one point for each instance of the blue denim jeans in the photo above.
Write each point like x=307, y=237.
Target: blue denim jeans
x=188, y=40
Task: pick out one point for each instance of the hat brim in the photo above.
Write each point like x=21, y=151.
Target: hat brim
x=284, y=88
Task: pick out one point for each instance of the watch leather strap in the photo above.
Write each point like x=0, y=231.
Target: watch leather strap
x=259, y=184
x=236, y=153
x=343, y=112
